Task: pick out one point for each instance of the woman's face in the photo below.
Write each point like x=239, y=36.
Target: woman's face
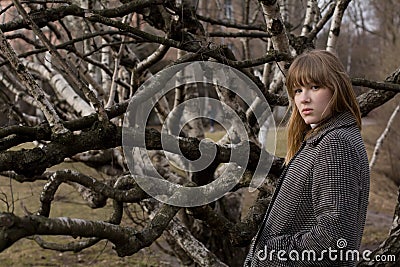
x=313, y=102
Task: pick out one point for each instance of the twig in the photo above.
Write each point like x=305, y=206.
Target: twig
x=381, y=138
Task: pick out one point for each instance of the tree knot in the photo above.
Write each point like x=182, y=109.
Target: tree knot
x=276, y=27
x=7, y=220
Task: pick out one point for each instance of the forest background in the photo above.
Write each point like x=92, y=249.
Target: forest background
x=68, y=70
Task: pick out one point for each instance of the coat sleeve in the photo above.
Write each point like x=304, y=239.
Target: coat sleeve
x=336, y=202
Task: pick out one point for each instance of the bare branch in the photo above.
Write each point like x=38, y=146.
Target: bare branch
x=150, y=60
x=275, y=27
x=334, y=30
x=34, y=89
x=374, y=98
x=194, y=248
x=88, y=92
x=321, y=23
x=386, y=86
x=382, y=137
x=231, y=25
x=240, y=34
x=75, y=246
x=117, y=60
x=308, y=20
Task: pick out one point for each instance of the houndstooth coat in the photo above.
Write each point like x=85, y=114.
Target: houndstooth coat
x=319, y=204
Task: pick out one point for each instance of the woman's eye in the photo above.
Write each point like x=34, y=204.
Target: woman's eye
x=315, y=87
x=297, y=91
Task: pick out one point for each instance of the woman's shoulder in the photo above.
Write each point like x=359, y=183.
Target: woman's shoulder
x=347, y=134
x=342, y=126
x=343, y=139
x=344, y=133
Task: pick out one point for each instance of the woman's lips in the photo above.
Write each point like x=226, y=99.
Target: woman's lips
x=306, y=111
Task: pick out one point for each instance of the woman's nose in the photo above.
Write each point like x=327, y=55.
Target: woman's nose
x=305, y=98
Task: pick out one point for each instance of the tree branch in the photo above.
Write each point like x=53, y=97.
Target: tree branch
x=375, y=98
x=194, y=248
x=33, y=88
x=231, y=25
x=334, y=30
x=382, y=137
x=276, y=28
x=90, y=95
x=35, y=161
x=239, y=34
x=14, y=228
x=321, y=23
x=309, y=18
x=385, y=86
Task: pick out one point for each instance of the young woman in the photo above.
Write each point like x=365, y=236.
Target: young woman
x=317, y=214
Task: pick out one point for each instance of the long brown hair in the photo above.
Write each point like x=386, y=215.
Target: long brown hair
x=324, y=69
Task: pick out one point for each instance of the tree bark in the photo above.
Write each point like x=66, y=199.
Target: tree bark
x=334, y=30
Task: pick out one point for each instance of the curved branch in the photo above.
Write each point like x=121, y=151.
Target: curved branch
x=270, y=56
x=15, y=228
x=22, y=37
x=115, y=218
x=153, y=58
x=48, y=194
x=131, y=193
x=75, y=246
x=386, y=86
x=127, y=241
x=35, y=161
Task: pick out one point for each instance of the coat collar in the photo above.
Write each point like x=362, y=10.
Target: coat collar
x=340, y=120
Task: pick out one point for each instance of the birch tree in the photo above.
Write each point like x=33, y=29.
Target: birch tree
x=128, y=43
